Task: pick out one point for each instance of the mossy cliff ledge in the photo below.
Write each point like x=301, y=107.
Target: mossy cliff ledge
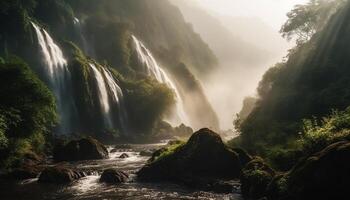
x=203, y=162
x=324, y=175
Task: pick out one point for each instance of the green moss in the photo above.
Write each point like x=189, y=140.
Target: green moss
x=147, y=102
x=170, y=150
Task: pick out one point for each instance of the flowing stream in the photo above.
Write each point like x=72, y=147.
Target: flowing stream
x=152, y=68
x=89, y=188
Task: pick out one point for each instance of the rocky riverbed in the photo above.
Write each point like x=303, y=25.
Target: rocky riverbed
x=90, y=187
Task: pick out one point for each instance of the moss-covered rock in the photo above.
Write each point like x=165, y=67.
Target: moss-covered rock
x=322, y=176
x=204, y=157
x=255, y=178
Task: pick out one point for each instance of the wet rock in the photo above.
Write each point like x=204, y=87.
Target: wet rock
x=60, y=175
x=255, y=178
x=147, y=153
x=124, y=155
x=84, y=149
x=204, y=156
x=114, y=176
x=28, y=167
x=25, y=172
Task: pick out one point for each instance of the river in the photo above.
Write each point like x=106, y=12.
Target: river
x=89, y=188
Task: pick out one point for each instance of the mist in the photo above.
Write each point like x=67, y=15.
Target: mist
x=246, y=41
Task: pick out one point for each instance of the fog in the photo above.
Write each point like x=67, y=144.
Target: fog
x=244, y=35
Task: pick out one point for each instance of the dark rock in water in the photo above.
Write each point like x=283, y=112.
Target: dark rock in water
x=124, y=155
x=60, y=175
x=146, y=153
x=29, y=167
x=84, y=149
x=25, y=172
x=255, y=178
x=114, y=150
x=113, y=176
x=325, y=175
x=204, y=156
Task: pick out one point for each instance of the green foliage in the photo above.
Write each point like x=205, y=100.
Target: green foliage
x=320, y=133
x=305, y=20
x=147, y=102
x=27, y=111
x=312, y=82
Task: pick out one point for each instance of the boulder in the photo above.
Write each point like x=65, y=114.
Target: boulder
x=325, y=175
x=255, y=179
x=29, y=167
x=83, y=149
x=25, y=172
x=124, y=155
x=204, y=156
x=60, y=174
x=113, y=176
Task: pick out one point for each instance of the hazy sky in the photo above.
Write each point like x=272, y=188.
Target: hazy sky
x=273, y=12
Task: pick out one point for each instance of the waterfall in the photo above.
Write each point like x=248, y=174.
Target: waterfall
x=79, y=29
x=58, y=76
x=153, y=69
x=110, y=95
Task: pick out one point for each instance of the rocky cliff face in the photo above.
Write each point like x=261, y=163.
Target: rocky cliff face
x=85, y=36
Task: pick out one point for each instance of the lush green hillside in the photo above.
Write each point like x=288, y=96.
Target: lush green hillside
x=311, y=83
x=27, y=112
x=102, y=30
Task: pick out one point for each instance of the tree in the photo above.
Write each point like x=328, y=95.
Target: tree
x=306, y=20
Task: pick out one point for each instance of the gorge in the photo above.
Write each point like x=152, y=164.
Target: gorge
x=140, y=99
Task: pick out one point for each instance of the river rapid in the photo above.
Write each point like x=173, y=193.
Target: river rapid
x=89, y=188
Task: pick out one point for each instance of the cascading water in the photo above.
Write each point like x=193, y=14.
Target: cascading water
x=110, y=95
x=58, y=76
x=79, y=28
x=153, y=69
x=117, y=98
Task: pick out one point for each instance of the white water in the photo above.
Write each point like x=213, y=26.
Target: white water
x=153, y=69
x=109, y=90
x=58, y=75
